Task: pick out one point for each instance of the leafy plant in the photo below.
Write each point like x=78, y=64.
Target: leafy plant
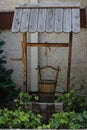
x=8, y=89
x=23, y=100
x=19, y=119
x=72, y=102
x=67, y=120
x=36, y=98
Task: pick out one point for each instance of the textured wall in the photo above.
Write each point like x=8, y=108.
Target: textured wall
x=83, y=2
x=56, y=56
x=12, y=49
x=9, y=5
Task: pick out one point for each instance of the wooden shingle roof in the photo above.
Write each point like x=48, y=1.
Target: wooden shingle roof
x=54, y=17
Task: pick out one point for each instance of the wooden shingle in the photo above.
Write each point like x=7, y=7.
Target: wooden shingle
x=59, y=17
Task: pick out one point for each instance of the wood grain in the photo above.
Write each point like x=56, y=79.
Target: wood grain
x=58, y=20
x=51, y=5
x=17, y=20
x=33, y=20
x=41, y=20
x=75, y=20
x=47, y=19
x=50, y=20
x=25, y=20
x=67, y=20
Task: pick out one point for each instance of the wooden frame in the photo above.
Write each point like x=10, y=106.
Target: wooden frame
x=47, y=44
x=51, y=67
x=47, y=85
x=69, y=61
x=24, y=60
x=24, y=56
x=30, y=18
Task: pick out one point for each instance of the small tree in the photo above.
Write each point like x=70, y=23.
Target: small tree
x=8, y=89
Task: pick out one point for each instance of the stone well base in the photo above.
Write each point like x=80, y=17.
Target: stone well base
x=46, y=109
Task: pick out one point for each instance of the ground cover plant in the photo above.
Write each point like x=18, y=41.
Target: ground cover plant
x=67, y=120
x=72, y=102
x=19, y=119
x=23, y=100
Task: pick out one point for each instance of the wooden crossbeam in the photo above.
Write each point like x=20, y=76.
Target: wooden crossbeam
x=47, y=44
x=16, y=59
x=53, y=5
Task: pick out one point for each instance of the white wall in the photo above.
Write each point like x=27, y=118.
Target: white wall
x=56, y=56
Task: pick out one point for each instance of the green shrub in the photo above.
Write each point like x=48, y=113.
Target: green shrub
x=8, y=89
x=72, y=102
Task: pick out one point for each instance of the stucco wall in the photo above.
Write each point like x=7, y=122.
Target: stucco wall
x=56, y=56
x=83, y=2
x=12, y=49
x=9, y=5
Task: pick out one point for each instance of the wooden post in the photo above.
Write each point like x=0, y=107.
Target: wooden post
x=69, y=61
x=24, y=60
